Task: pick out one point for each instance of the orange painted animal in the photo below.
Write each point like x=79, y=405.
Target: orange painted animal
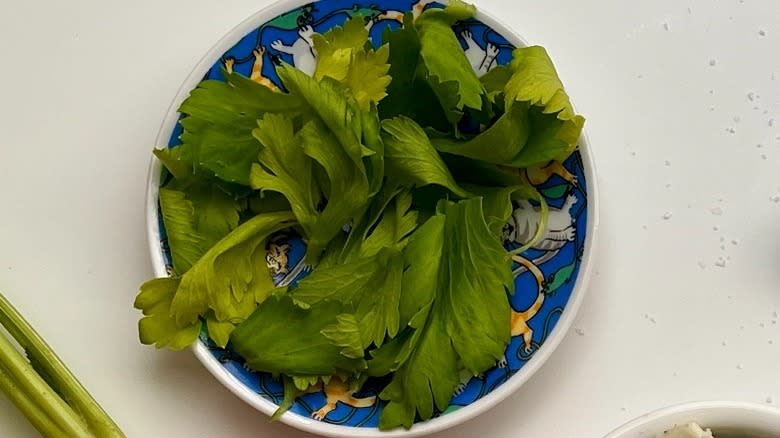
x=276, y=259
x=336, y=390
x=419, y=7
x=257, y=69
x=519, y=321
x=540, y=174
x=417, y=10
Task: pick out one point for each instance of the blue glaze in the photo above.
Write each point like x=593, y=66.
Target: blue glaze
x=559, y=266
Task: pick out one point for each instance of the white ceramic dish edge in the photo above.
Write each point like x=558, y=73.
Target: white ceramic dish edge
x=310, y=425
x=712, y=414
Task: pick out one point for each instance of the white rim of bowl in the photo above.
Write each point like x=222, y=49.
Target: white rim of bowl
x=318, y=427
x=682, y=408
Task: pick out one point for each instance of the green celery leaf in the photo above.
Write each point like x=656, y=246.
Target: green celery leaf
x=333, y=139
x=370, y=286
x=444, y=59
x=539, y=124
x=480, y=327
x=496, y=205
x=157, y=326
x=426, y=380
x=303, y=383
x=377, y=310
x=281, y=337
x=484, y=116
x=333, y=253
x=425, y=200
x=288, y=163
x=219, y=331
x=387, y=222
x=347, y=334
x=326, y=99
x=551, y=139
x=495, y=80
x=410, y=93
x=536, y=82
x=468, y=321
x=237, y=97
x=397, y=221
x=422, y=262
x=351, y=248
x=218, y=123
x=342, y=55
x=404, y=57
x=422, y=259
x=499, y=144
x=172, y=160
x=268, y=202
x=525, y=192
x=232, y=276
x=284, y=168
x=367, y=78
x=372, y=139
x=446, y=93
x=393, y=354
x=336, y=46
x=412, y=160
x=291, y=392
x=196, y=216
x=456, y=10
x=470, y=171
x=349, y=186
x=555, y=192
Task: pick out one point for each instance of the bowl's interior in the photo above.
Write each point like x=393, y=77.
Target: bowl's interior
x=726, y=419
x=539, y=301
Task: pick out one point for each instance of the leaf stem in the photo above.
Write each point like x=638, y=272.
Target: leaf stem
x=541, y=227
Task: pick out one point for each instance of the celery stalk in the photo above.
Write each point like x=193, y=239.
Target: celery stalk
x=43, y=378
x=38, y=418
x=31, y=383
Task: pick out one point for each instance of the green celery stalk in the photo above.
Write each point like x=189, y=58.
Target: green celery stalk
x=46, y=392
x=34, y=387
x=38, y=418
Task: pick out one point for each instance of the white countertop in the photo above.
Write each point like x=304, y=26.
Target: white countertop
x=86, y=83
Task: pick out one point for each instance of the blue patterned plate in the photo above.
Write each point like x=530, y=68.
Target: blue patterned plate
x=550, y=277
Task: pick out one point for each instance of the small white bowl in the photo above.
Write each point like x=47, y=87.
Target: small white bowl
x=308, y=424
x=726, y=419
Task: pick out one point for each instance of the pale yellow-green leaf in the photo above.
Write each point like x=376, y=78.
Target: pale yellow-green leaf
x=367, y=76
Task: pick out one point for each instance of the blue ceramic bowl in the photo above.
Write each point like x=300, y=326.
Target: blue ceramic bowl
x=549, y=287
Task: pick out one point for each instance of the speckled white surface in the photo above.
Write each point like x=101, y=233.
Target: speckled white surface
x=679, y=94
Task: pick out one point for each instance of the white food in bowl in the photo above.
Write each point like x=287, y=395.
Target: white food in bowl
x=690, y=430
x=728, y=419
